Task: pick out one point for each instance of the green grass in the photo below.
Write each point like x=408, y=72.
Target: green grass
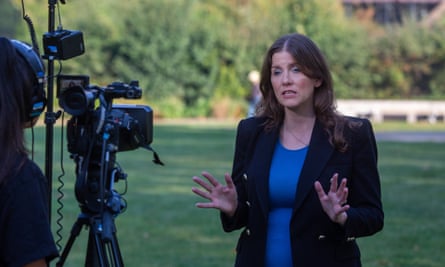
x=412, y=186
x=161, y=226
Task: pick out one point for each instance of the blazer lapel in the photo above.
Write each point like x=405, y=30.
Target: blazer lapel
x=320, y=150
x=264, y=150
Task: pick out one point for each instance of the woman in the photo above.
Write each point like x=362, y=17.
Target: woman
x=304, y=182
x=25, y=235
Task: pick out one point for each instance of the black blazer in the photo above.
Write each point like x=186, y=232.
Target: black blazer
x=315, y=239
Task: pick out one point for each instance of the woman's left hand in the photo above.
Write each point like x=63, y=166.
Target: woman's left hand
x=334, y=202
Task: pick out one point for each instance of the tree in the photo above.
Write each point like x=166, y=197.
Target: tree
x=191, y=56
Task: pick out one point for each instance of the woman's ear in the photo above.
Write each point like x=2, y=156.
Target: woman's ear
x=30, y=123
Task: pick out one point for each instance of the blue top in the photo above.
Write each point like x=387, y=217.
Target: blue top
x=283, y=180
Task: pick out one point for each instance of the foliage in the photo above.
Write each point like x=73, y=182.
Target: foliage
x=410, y=64
x=192, y=55
x=341, y=39
x=9, y=16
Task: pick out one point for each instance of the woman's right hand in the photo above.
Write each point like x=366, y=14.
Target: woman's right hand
x=222, y=197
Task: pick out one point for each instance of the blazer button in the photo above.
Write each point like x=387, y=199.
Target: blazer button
x=248, y=231
x=248, y=203
x=349, y=239
x=321, y=237
x=245, y=177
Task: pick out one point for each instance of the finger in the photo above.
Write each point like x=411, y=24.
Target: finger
x=342, y=184
x=229, y=181
x=202, y=183
x=205, y=205
x=343, y=209
x=319, y=190
x=201, y=193
x=342, y=189
x=210, y=178
x=344, y=197
x=334, y=184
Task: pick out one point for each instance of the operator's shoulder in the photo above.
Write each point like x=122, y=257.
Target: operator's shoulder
x=30, y=171
x=27, y=176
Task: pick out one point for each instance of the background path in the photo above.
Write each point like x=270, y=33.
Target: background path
x=437, y=137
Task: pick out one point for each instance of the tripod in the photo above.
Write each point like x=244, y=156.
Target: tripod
x=103, y=247
x=98, y=211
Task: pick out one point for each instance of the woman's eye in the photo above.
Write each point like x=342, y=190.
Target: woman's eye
x=295, y=69
x=276, y=71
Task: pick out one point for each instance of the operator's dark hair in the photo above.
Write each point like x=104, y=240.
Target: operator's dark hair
x=17, y=81
x=311, y=62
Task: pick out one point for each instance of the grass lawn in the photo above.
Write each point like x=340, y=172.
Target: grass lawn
x=161, y=226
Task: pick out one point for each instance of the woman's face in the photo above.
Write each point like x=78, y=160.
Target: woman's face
x=292, y=88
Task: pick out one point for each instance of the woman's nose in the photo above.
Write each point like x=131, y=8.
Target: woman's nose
x=286, y=78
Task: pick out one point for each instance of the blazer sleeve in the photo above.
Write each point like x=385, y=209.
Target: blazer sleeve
x=245, y=140
x=365, y=217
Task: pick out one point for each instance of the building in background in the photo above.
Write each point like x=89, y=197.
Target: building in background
x=396, y=11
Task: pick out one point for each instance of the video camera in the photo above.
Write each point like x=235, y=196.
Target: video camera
x=133, y=122
x=98, y=130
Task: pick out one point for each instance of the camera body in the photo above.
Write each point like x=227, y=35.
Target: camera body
x=131, y=126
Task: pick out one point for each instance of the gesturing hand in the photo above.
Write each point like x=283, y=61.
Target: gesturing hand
x=222, y=197
x=334, y=202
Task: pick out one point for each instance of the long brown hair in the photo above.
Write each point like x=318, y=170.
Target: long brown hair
x=312, y=63
x=16, y=83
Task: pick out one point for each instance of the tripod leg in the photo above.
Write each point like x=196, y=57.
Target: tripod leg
x=94, y=257
x=75, y=230
x=103, y=252
x=115, y=251
x=109, y=236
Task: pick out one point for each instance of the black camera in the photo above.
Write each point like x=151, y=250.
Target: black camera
x=98, y=130
x=129, y=126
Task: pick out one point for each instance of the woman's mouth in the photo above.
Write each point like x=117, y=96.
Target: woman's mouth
x=289, y=92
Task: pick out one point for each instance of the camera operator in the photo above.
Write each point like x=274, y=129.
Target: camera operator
x=25, y=234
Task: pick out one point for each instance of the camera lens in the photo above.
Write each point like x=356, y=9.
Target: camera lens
x=76, y=101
